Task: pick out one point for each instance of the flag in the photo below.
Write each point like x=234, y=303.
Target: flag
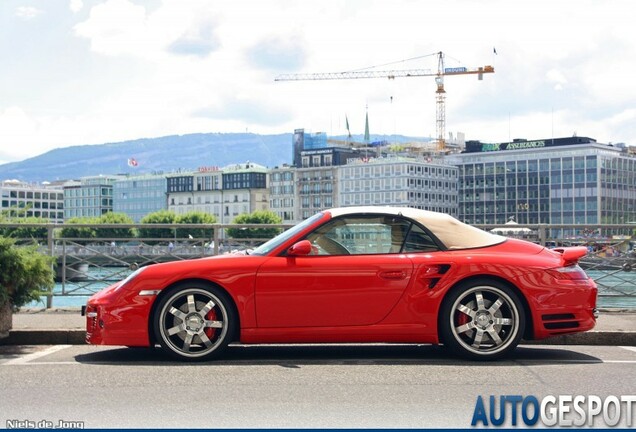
x=494, y=50
x=347, y=123
x=132, y=162
x=366, y=129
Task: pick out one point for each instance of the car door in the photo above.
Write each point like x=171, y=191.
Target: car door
x=354, y=277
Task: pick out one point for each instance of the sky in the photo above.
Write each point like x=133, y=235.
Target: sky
x=76, y=72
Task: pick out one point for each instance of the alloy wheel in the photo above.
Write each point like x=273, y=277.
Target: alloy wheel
x=193, y=323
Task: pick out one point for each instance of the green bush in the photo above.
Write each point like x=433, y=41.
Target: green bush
x=158, y=217
x=36, y=233
x=195, y=217
x=112, y=218
x=24, y=273
x=70, y=231
x=258, y=217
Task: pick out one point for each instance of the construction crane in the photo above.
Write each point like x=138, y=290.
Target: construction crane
x=440, y=93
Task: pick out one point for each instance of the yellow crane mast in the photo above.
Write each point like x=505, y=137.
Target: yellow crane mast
x=440, y=93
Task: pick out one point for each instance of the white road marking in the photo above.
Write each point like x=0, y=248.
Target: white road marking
x=41, y=363
x=36, y=355
x=629, y=348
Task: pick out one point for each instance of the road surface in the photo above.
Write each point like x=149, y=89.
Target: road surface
x=352, y=386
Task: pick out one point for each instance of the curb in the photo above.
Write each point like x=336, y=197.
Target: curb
x=78, y=337
x=610, y=338
x=45, y=337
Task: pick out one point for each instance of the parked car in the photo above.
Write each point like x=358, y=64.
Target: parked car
x=359, y=274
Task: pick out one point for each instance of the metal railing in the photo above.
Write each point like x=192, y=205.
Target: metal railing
x=84, y=266
x=87, y=265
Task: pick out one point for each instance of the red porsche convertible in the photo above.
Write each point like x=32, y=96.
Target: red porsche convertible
x=359, y=274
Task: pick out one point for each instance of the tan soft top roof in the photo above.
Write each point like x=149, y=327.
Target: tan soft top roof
x=453, y=233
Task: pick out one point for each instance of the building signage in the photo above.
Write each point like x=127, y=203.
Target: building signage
x=490, y=147
x=316, y=152
x=525, y=145
x=207, y=169
x=479, y=147
x=521, y=145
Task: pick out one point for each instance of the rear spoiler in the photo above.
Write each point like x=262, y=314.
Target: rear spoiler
x=572, y=254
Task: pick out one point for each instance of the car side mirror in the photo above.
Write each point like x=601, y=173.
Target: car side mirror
x=302, y=248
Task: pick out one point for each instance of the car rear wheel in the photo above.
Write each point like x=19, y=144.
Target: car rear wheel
x=482, y=320
x=194, y=322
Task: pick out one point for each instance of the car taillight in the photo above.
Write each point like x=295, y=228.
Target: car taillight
x=571, y=272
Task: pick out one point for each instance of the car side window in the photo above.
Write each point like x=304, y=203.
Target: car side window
x=419, y=240
x=360, y=235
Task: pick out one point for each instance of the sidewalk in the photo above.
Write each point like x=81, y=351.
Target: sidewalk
x=67, y=326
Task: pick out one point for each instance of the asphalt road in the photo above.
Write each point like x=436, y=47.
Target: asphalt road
x=380, y=386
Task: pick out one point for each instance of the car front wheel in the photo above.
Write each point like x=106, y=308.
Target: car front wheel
x=482, y=320
x=194, y=322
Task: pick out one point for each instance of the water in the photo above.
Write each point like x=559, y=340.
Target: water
x=617, y=289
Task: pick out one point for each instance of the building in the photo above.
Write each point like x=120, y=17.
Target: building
x=137, y=196
x=224, y=192
x=22, y=200
x=89, y=197
x=311, y=151
x=244, y=190
x=571, y=180
x=199, y=190
x=283, y=193
x=399, y=181
x=317, y=190
x=316, y=160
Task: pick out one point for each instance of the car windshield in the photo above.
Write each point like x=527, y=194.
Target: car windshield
x=272, y=244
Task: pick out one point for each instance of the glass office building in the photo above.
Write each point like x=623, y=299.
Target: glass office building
x=138, y=196
x=89, y=197
x=554, y=181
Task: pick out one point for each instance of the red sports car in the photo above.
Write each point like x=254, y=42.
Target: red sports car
x=359, y=274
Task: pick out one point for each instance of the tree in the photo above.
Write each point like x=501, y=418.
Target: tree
x=257, y=217
x=70, y=231
x=24, y=274
x=35, y=233
x=195, y=217
x=158, y=217
x=112, y=218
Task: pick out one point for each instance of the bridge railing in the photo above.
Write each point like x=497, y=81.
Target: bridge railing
x=86, y=265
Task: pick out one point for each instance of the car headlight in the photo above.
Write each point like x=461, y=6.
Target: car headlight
x=130, y=277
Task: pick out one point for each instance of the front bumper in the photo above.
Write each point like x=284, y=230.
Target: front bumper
x=118, y=318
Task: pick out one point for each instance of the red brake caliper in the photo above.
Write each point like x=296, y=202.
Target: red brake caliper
x=209, y=331
x=462, y=319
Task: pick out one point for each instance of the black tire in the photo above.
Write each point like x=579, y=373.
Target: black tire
x=482, y=320
x=194, y=321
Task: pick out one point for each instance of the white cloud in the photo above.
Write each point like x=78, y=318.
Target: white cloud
x=27, y=12
x=159, y=68
x=558, y=78
x=76, y=5
x=121, y=27
x=116, y=27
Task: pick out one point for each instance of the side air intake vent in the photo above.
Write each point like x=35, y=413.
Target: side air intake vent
x=564, y=321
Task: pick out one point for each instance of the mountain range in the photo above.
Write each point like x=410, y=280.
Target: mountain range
x=166, y=154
